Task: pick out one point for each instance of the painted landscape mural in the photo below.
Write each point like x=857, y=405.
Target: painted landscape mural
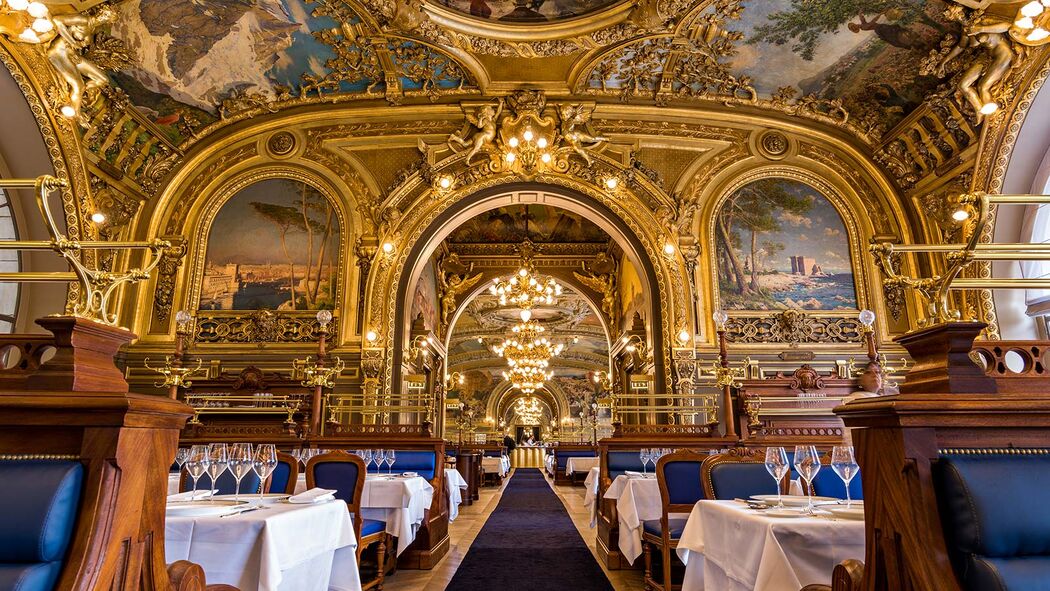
x=781, y=244
x=274, y=245
x=534, y=11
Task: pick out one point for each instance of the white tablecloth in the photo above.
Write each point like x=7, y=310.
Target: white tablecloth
x=548, y=461
x=400, y=502
x=743, y=549
x=499, y=465
x=637, y=500
x=456, y=487
x=282, y=547
x=590, y=495
x=580, y=465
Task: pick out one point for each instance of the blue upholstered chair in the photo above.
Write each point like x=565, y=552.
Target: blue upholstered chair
x=738, y=474
x=619, y=462
x=679, y=477
x=996, y=530
x=41, y=499
x=284, y=476
x=345, y=474
x=423, y=463
x=227, y=484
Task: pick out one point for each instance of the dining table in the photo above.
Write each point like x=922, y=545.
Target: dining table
x=399, y=501
x=590, y=494
x=456, y=487
x=580, y=465
x=727, y=545
x=494, y=465
x=637, y=499
x=278, y=547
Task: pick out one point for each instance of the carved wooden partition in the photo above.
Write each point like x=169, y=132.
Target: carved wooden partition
x=792, y=408
x=945, y=403
x=76, y=406
x=432, y=541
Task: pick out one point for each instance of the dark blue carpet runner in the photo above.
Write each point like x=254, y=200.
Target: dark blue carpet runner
x=529, y=544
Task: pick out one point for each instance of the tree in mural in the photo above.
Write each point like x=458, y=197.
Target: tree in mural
x=807, y=21
x=750, y=211
x=311, y=218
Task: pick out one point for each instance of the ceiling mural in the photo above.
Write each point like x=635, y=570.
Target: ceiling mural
x=538, y=223
x=533, y=11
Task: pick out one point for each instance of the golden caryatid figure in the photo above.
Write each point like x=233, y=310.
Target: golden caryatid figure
x=485, y=118
x=978, y=80
x=66, y=44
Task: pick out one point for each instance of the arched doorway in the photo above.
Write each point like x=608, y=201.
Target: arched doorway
x=443, y=224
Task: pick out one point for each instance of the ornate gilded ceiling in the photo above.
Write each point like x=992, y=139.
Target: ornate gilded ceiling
x=862, y=64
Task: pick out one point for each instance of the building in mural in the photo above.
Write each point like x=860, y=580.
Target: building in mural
x=781, y=244
x=273, y=245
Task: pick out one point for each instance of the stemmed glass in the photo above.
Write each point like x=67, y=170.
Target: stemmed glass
x=241, y=462
x=645, y=455
x=217, y=461
x=390, y=459
x=379, y=456
x=197, y=461
x=807, y=463
x=844, y=463
x=777, y=466
x=366, y=455
x=181, y=455
x=264, y=463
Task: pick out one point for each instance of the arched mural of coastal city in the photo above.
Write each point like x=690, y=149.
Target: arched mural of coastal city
x=274, y=245
x=781, y=244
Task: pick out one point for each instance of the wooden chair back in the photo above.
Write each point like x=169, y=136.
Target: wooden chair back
x=738, y=455
x=291, y=464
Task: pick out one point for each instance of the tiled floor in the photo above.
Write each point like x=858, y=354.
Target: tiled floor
x=465, y=528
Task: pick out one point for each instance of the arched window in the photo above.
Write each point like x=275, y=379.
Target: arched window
x=10, y=262
x=1036, y=226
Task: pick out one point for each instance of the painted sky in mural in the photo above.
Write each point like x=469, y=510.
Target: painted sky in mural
x=781, y=244
x=273, y=245
x=538, y=223
x=534, y=11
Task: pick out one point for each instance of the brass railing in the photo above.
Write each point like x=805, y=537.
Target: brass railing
x=248, y=404
x=97, y=285
x=683, y=409
x=384, y=408
x=975, y=207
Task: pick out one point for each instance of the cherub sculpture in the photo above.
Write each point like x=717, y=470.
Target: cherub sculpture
x=66, y=46
x=485, y=118
x=976, y=83
x=603, y=283
x=574, y=119
x=453, y=284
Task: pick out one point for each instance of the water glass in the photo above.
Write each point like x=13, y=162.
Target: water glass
x=264, y=463
x=379, y=457
x=390, y=458
x=241, y=463
x=644, y=456
x=197, y=461
x=844, y=463
x=218, y=460
x=180, y=456
x=367, y=455
x=807, y=463
x=777, y=465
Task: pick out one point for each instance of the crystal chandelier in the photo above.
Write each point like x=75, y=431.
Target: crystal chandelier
x=528, y=376
x=525, y=289
x=527, y=343
x=528, y=410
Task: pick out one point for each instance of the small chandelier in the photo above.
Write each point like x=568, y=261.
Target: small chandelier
x=528, y=409
x=526, y=290
x=527, y=343
x=528, y=377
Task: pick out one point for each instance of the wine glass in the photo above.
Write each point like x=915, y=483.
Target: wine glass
x=366, y=455
x=217, y=462
x=241, y=463
x=181, y=455
x=644, y=456
x=844, y=463
x=197, y=461
x=390, y=459
x=807, y=462
x=379, y=457
x=777, y=466
x=264, y=463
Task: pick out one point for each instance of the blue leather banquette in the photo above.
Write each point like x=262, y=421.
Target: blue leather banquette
x=996, y=526
x=562, y=456
x=41, y=499
x=423, y=463
x=619, y=462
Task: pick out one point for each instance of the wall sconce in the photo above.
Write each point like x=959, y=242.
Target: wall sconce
x=98, y=217
x=684, y=337
x=443, y=183
x=603, y=379
x=371, y=336
x=612, y=183
x=669, y=249
x=721, y=318
x=420, y=348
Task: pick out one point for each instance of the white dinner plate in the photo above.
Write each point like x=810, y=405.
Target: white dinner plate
x=854, y=513
x=203, y=508
x=267, y=499
x=792, y=500
x=786, y=512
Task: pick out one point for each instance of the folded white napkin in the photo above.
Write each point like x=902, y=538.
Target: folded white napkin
x=314, y=495
x=631, y=474
x=190, y=495
x=409, y=474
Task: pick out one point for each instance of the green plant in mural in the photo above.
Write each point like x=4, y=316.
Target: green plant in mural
x=312, y=219
x=752, y=210
x=808, y=21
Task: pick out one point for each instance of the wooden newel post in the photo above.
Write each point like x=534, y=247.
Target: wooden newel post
x=318, y=393
x=942, y=360
x=727, y=393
